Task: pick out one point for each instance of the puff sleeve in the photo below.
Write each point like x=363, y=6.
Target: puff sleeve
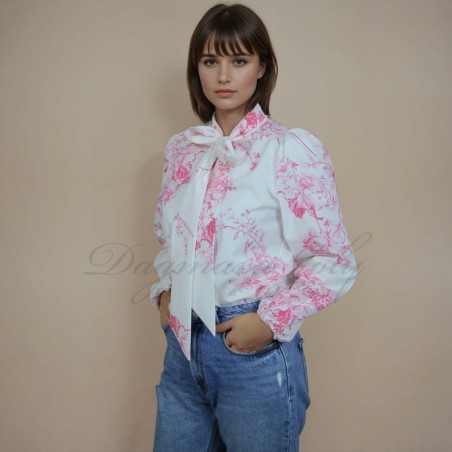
x=314, y=230
x=162, y=262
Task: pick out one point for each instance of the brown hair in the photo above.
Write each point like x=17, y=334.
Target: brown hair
x=230, y=26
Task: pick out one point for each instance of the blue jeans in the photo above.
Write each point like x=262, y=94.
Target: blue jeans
x=224, y=400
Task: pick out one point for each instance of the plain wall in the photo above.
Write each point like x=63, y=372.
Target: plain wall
x=90, y=92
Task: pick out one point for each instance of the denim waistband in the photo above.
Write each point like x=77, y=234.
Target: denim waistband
x=225, y=313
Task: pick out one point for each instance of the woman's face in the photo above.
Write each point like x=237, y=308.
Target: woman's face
x=228, y=82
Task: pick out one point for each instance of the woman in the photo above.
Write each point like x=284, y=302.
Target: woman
x=253, y=242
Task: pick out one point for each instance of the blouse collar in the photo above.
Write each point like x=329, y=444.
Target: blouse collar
x=251, y=121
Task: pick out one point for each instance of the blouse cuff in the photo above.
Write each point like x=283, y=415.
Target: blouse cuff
x=275, y=317
x=157, y=289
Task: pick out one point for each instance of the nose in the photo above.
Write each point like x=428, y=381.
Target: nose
x=224, y=75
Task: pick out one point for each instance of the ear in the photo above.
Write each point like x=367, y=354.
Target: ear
x=261, y=72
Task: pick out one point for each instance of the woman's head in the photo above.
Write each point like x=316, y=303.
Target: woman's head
x=231, y=30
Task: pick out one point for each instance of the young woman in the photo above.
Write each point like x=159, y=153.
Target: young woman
x=253, y=242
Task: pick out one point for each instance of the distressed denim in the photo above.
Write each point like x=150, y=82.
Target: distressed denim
x=224, y=400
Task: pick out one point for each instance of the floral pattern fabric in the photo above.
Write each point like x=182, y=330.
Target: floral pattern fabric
x=270, y=225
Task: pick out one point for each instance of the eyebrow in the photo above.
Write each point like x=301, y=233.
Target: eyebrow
x=234, y=55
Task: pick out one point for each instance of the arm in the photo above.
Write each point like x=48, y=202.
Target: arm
x=314, y=230
x=162, y=262
x=162, y=268
x=165, y=300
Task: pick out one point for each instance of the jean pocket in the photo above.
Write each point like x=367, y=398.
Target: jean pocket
x=305, y=369
x=273, y=345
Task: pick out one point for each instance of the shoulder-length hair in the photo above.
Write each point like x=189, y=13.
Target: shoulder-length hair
x=230, y=26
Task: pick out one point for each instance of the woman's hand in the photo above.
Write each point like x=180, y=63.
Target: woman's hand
x=165, y=299
x=248, y=333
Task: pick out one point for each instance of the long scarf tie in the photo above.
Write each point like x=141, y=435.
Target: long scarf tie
x=193, y=285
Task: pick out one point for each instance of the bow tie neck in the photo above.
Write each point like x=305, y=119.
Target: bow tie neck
x=226, y=148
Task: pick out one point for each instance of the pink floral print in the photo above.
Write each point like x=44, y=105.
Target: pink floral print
x=182, y=333
x=309, y=189
x=217, y=188
x=252, y=120
x=262, y=269
x=270, y=220
x=291, y=305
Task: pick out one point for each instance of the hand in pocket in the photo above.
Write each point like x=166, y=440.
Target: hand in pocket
x=248, y=333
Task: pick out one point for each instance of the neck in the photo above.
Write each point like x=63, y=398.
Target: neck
x=227, y=120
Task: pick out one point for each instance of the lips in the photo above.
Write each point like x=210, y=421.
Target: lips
x=224, y=93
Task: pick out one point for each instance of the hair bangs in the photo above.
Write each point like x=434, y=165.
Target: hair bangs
x=229, y=42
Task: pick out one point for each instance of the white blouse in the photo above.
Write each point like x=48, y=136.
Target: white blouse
x=250, y=216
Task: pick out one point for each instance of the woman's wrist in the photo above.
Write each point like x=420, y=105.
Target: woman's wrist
x=163, y=295
x=165, y=298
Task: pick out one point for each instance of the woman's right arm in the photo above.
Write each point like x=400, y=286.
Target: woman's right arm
x=162, y=262
x=161, y=291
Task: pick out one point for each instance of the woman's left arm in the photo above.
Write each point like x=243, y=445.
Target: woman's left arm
x=314, y=230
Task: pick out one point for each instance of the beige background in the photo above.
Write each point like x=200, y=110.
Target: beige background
x=90, y=91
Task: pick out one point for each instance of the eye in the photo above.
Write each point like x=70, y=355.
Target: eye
x=240, y=62
x=209, y=62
